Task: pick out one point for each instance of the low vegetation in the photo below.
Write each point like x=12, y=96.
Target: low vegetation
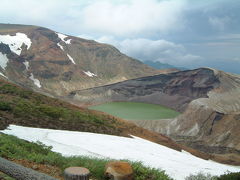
x=230, y=176
x=201, y=176
x=226, y=176
x=24, y=107
x=14, y=149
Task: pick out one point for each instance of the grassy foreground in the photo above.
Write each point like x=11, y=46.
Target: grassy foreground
x=136, y=111
x=13, y=148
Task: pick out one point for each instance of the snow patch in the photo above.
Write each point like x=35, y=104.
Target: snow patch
x=90, y=74
x=71, y=143
x=60, y=46
x=62, y=37
x=26, y=63
x=3, y=75
x=3, y=60
x=71, y=59
x=68, y=41
x=15, y=42
x=35, y=81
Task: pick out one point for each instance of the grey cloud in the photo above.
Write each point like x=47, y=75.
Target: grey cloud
x=179, y=32
x=219, y=23
x=154, y=50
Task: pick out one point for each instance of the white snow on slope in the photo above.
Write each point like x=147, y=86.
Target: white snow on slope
x=3, y=60
x=35, y=81
x=15, y=42
x=62, y=37
x=3, y=75
x=26, y=63
x=90, y=74
x=60, y=46
x=69, y=143
x=71, y=59
x=68, y=41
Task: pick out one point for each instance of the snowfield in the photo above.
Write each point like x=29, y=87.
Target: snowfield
x=177, y=164
x=15, y=42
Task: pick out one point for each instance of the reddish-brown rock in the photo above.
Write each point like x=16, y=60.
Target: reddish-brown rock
x=118, y=170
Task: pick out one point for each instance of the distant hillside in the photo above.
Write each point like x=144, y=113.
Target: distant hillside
x=54, y=63
x=159, y=65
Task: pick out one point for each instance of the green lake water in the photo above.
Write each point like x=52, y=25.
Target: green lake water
x=136, y=111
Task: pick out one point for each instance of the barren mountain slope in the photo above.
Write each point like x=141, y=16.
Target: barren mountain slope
x=55, y=63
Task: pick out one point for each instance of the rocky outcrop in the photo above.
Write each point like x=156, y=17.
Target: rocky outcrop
x=212, y=124
x=56, y=64
x=118, y=170
x=175, y=90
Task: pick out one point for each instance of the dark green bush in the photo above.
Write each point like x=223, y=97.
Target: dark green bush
x=5, y=106
x=8, y=89
x=201, y=176
x=54, y=112
x=230, y=176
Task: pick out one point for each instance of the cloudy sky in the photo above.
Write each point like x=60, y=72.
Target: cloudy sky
x=186, y=33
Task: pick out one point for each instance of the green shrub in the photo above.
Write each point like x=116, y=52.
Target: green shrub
x=53, y=112
x=230, y=176
x=201, y=176
x=8, y=89
x=5, y=106
x=13, y=90
x=146, y=173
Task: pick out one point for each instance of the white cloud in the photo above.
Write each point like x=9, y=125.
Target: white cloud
x=122, y=17
x=133, y=17
x=219, y=23
x=154, y=50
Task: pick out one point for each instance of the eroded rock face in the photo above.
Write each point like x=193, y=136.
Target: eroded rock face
x=175, y=90
x=213, y=122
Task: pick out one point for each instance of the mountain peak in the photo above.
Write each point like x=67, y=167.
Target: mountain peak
x=62, y=63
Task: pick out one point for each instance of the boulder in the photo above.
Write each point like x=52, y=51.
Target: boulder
x=118, y=170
